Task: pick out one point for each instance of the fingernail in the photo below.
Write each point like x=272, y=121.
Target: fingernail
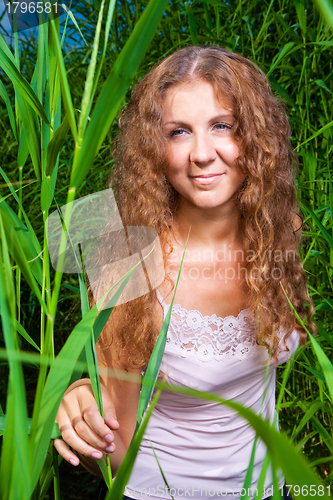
x=72, y=461
x=108, y=438
x=110, y=448
x=96, y=454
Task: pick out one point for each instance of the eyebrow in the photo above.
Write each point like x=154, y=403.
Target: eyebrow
x=219, y=118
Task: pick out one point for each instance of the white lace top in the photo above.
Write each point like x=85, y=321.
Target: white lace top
x=209, y=337
x=203, y=447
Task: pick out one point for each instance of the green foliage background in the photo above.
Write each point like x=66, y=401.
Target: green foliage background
x=291, y=40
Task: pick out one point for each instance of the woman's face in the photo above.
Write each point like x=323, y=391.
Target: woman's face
x=201, y=151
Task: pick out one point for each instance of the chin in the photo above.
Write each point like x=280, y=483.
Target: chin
x=207, y=205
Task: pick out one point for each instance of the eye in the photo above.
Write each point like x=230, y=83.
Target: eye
x=177, y=132
x=222, y=126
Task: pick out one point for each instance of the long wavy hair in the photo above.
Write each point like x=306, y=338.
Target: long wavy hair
x=270, y=224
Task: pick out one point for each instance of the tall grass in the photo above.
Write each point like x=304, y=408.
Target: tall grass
x=60, y=98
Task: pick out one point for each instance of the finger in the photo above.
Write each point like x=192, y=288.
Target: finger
x=65, y=452
x=85, y=432
x=71, y=420
x=109, y=410
x=73, y=440
x=93, y=417
x=100, y=426
x=111, y=422
x=84, y=395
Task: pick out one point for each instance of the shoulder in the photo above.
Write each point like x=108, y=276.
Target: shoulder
x=287, y=346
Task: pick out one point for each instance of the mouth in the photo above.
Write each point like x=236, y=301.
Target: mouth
x=206, y=179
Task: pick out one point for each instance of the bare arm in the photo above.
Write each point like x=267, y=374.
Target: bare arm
x=83, y=428
x=81, y=425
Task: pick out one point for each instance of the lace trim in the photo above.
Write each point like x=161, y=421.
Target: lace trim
x=206, y=338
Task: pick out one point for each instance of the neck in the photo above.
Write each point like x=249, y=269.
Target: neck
x=207, y=227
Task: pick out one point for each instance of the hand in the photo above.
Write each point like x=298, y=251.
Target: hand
x=82, y=427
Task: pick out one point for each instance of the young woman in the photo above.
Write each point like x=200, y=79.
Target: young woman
x=204, y=147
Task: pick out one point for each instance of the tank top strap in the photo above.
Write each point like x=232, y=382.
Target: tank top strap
x=161, y=300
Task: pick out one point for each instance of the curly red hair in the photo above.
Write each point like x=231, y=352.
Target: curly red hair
x=270, y=224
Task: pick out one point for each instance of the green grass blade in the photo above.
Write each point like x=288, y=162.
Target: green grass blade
x=23, y=151
x=17, y=250
x=74, y=21
x=25, y=335
x=316, y=374
x=5, y=97
x=161, y=471
x=276, y=492
x=323, y=231
x=301, y=14
x=248, y=478
x=320, y=131
x=55, y=430
x=286, y=49
x=124, y=471
x=326, y=437
x=88, y=88
x=331, y=199
x=308, y=415
x=16, y=222
x=108, y=26
x=56, y=480
x=323, y=85
x=55, y=145
x=325, y=364
x=192, y=24
x=262, y=477
x=22, y=238
x=66, y=93
x=101, y=59
x=327, y=337
x=17, y=406
x=8, y=445
x=151, y=375
x=327, y=10
x=40, y=75
x=22, y=86
x=5, y=49
x=31, y=132
x=282, y=91
x=90, y=355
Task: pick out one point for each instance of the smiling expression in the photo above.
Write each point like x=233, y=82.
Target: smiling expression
x=201, y=151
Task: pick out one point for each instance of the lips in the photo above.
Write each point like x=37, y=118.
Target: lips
x=206, y=179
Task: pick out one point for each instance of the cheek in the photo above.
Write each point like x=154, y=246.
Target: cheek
x=175, y=159
x=230, y=151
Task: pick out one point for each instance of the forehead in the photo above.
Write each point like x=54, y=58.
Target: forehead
x=195, y=97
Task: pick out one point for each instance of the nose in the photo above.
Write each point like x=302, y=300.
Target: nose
x=203, y=149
